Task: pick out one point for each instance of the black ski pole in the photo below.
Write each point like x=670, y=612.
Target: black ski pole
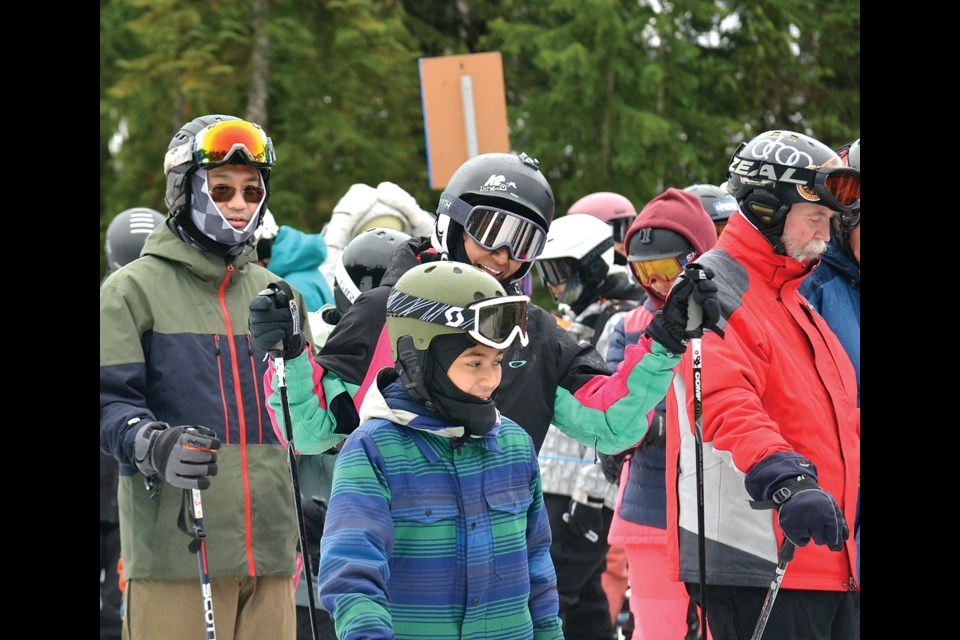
x=697, y=359
x=786, y=555
x=206, y=592
x=283, y=297
x=694, y=331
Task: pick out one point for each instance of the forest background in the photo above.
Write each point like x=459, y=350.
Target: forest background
x=610, y=95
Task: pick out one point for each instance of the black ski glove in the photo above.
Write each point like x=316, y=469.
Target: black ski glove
x=183, y=456
x=657, y=433
x=787, y=482
x=612, y=464
x=274, y=324
x=691, y=307
x=585, y=519
x=314, y=517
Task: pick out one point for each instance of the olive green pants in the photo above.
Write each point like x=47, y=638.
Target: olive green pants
x=243, y=609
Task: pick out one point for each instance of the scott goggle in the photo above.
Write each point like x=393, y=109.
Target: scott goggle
x=217, y=143
x=495, y=322
x=664, y=269
x=493, y=227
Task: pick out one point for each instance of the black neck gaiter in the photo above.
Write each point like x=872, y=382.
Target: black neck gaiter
x=460, y=409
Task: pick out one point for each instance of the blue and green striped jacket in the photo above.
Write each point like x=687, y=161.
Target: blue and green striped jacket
x=429, y=538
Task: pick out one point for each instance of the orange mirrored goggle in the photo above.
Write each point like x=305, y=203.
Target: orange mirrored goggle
x=664, y=269
x=836, y=187
x=218, y=142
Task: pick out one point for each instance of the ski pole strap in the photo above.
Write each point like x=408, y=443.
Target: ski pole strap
x=283, y=297
x=786, y=491
x=188, y=524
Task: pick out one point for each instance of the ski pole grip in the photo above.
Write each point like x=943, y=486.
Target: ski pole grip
x=694, y=328
x=786, y=550
x=282, y=296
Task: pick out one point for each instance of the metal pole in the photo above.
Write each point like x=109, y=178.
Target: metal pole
x=786, y=555
x=697, y=359
x=205, y=590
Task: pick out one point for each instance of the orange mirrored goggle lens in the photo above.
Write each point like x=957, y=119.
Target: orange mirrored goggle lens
x=845, y=187
x=219, y=141
x=665, y=269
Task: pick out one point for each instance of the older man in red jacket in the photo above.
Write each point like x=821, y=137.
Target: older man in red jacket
x=781, y=426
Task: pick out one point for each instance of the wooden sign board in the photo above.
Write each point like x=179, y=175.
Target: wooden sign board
x=464, y=111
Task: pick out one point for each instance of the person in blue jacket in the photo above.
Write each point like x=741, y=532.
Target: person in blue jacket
x=436, y=526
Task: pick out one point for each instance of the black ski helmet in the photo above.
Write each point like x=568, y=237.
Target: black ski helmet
x=363, y=262
x=511, y=182
x=126, y=234
x=181, y=162
x=762, y=176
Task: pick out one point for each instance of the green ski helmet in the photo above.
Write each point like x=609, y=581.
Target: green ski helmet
x=446, y=297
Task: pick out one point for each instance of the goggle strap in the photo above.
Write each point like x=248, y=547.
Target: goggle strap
x=598, y=250
x=450, y=205
x=346, y=283
x=407, y=306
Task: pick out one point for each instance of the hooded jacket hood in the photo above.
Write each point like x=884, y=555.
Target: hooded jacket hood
x=293, y=250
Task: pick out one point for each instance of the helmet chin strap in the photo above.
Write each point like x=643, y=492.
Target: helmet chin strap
x=411, y=365
x=768, y=216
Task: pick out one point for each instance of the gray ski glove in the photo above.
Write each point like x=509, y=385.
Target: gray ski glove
x=183, y=456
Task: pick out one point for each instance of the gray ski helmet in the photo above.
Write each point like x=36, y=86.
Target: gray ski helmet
x=181, y=162
x=363, y=262
x=850, y=154
x=126, y=234
x=716, y=202
x=504, y=180
x=763, y=177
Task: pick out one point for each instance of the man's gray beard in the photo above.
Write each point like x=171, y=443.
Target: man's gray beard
x=804, y=253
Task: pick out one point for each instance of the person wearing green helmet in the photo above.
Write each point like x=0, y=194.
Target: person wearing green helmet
x=436, y=525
